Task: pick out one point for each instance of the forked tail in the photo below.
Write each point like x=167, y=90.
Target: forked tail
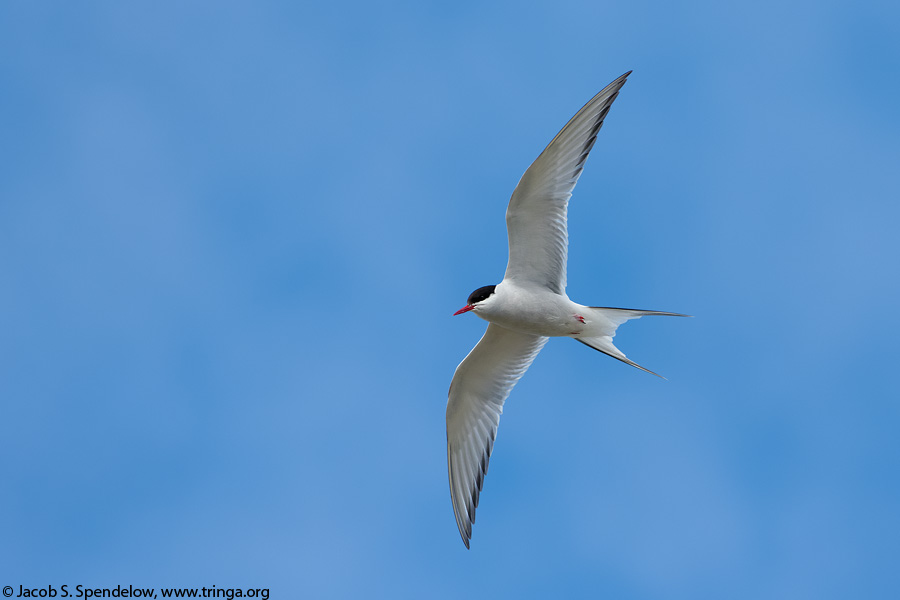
x=603, y=324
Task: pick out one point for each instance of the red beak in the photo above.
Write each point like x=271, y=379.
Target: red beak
x=465, y=308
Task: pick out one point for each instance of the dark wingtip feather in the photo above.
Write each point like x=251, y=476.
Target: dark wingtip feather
x=465, y=516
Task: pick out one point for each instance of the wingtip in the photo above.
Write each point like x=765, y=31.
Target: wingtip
x=465, y=533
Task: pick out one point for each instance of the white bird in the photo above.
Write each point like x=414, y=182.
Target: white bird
x=527, y=307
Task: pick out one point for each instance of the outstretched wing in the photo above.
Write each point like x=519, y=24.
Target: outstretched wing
x=480, y=385
x=536, y=217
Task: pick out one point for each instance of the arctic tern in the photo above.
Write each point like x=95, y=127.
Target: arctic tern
x=529, y=306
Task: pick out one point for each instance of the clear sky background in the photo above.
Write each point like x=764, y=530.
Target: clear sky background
x=232, y=236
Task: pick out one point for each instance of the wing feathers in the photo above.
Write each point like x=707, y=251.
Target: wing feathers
x=536, y=217
x=479, y=388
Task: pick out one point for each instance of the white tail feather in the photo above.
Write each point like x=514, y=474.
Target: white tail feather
x=603, y=324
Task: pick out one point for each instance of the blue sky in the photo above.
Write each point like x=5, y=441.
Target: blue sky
x=232, y=236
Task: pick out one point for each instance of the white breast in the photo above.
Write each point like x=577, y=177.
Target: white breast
x=535, y=310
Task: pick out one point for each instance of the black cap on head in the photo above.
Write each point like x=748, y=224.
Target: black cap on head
x=480, y=294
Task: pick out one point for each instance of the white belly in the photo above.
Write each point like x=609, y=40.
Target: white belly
x=534, y=311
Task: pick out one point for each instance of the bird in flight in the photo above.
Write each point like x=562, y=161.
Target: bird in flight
x=529, y=306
